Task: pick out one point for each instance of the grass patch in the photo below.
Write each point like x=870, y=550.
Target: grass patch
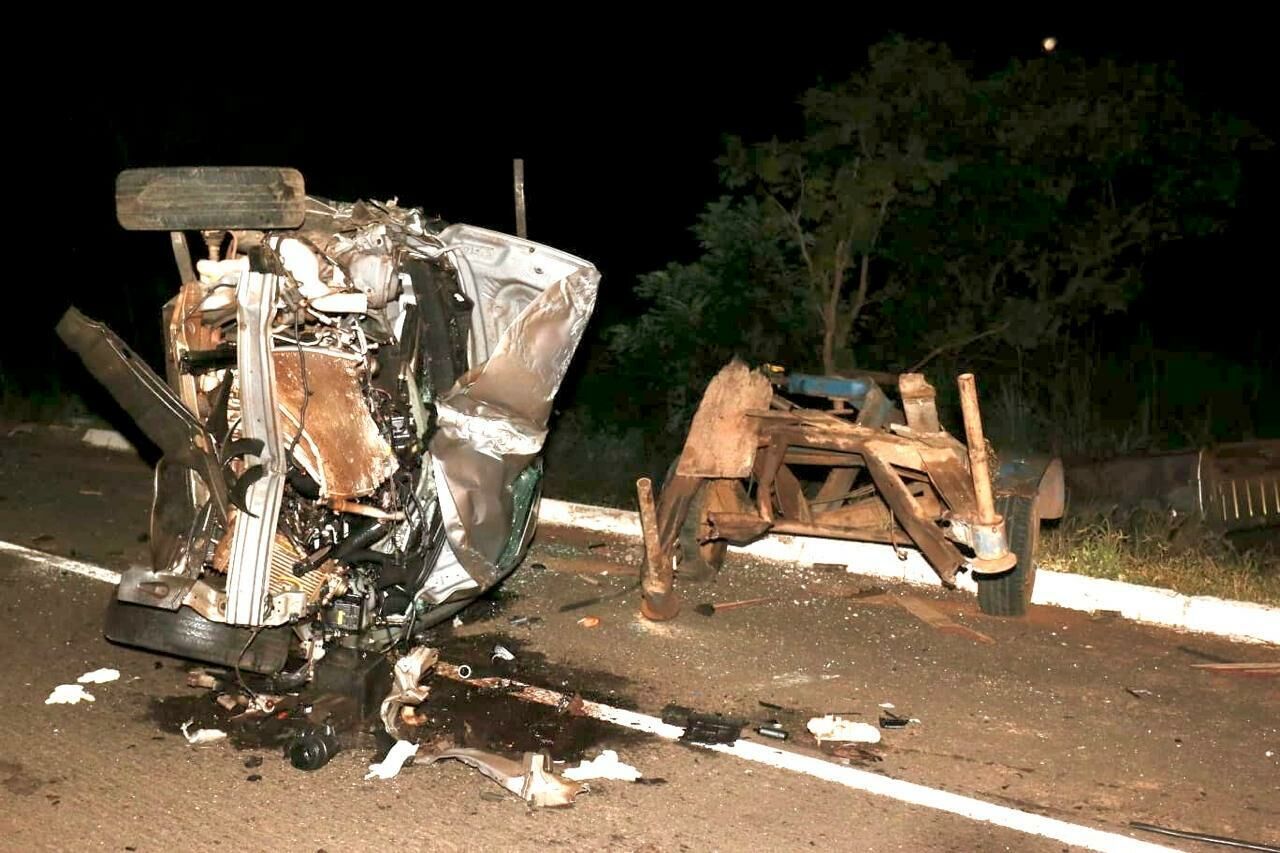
x=1152, y=549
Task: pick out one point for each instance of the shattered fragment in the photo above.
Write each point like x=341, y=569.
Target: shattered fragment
x=398, y=709
x=605, y=766
x=501, y=652
x=201, y=736
x=68, y=694
x=99, y=676
x=833, y=728
x=390, y=766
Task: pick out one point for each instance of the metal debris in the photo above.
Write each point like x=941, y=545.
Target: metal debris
x=501, y=652
x=399, y=708
x=531, y=780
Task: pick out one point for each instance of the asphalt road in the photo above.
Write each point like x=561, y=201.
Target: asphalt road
x=1097, y=722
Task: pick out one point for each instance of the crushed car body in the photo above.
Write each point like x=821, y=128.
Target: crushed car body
x=351, y=419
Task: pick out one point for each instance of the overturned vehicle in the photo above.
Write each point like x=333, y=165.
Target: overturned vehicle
x=351, y=419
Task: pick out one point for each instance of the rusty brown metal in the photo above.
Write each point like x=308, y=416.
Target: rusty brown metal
x=977, y=443
x=657, y=577
x=928, y=537
x=919, y=403
x=340, y=446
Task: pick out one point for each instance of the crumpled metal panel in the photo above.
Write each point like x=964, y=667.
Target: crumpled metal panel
x=494, y=420
x=341, y=446
x=248, y=575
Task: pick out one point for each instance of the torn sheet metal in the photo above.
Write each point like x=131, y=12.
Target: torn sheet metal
x=399, y=709
x=494, y=420
x=531, y=779
x=340, y=446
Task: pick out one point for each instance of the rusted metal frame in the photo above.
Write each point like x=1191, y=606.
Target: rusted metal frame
x=835, y=489
x=791, y=499
x=768, y=461
x=919, y=403
x=885, y=535
x=658, y=573
x=928, y=537
x=977, y=444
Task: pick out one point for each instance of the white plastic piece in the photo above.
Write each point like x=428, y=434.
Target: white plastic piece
x=390, y=766
x=303, y=265
x=99, y=676
x=501, y=652
x=604, y=766
x=201, y=736
x=213, y=272
x=68, y=694
x=838, y=729
x=108, y=439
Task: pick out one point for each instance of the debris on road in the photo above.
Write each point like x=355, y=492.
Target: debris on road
x=525, y=620
x=399, y=709
x=890, y=720
x=501, y=652
x=311, y=748
x=68, y=694
x=389, y=767
x=99, y=676
x=772, y=729
x=701, y=727
x=531, y=780
x=934, y=618
x=604, y=766
x=1260, y=670
x=201, y=736
x=833, y=728
x=203, y=678
x=589, y=621
x=1208, y=839
x=1138, y=692
x=711, y=609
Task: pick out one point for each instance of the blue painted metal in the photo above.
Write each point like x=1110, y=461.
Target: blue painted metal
x=833, y=387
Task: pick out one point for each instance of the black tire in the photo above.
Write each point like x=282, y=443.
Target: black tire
x=694, y=561
x=1008, y=593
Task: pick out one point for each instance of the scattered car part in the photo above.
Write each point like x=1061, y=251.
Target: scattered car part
x=1206, y=838
x=199, y=737
x=531, y=780
x=831, y=727
x=892, y=475
x=99, y=676
x=389, y=767
x=501, y=652
x=773, y=730
x=604, y=766
x=313, y=747
x=399, y=709
x=704, y=728
x=69, y=694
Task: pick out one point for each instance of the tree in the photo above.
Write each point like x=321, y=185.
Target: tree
x=869, y=149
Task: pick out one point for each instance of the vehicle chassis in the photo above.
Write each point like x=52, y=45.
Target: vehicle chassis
x=922, y=486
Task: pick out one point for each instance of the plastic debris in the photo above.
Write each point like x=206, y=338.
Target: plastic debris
x=501, y=652
x=604, y=766
x=389, y=767
x=68, y=694
x=457, y=621
x=833, y=728
x=99, y=676
x=201, y=736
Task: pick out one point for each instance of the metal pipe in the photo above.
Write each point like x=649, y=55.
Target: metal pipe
x=354, y=508
x=657, y=576
x=977, y=449
x=522, y=227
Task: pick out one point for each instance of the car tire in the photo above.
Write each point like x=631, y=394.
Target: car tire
x=1008, y=593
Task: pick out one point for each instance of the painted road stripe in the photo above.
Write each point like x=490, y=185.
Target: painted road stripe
x=850, y=777
x=62, y=564
x=1236, y=620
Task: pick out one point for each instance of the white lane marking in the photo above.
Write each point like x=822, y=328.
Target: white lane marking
x=62, y=564
x=1241, y=621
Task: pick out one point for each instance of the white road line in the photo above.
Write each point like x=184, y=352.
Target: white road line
x=62, y=564
x=850, y=777
x=1242, y=621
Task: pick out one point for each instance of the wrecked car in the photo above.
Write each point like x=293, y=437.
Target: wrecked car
x=351, y=418
x=863, y=468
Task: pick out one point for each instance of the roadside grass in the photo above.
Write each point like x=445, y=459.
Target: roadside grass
x=1149, y=548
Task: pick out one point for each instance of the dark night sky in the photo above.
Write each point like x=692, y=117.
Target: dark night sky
x=618, y=140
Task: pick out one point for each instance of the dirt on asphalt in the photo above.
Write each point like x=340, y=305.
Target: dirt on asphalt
x=1091, y=720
